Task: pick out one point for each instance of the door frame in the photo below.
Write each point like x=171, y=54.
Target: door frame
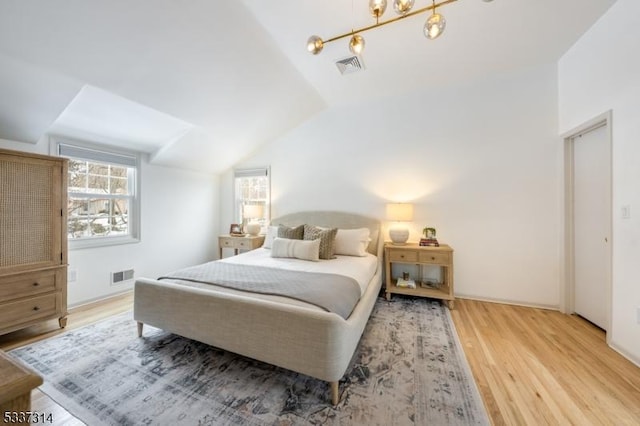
x=567, y=290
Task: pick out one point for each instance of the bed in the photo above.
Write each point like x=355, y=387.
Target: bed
x=288, y=333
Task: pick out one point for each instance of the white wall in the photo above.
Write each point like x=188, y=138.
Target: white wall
x=179, y=215
x=480, y=162
x=601, y=72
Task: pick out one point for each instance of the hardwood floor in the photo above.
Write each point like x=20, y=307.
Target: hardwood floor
x=532, y=366
x=539, y=367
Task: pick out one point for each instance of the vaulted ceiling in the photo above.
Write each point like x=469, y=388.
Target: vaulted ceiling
x=200, y=84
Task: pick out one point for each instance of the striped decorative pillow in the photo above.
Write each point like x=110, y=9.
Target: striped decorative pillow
x=304, y=250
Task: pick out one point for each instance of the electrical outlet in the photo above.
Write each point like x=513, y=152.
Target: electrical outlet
x=72, y=275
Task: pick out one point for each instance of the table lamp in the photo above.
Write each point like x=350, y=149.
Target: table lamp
x=252, y=212
x=399, y=213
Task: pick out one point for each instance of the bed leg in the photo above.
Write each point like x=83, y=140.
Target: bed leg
x=140, y=325
x=335, y=394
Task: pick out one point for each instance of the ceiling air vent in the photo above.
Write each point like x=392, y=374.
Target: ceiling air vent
x=350, y=64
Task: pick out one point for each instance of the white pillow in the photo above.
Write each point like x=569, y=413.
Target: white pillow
x=352, y=242
x=272, y=233
x=299, y=249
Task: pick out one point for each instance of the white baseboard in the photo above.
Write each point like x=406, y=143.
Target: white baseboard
x=635, y=360
x=508, y=302
x=100, y=299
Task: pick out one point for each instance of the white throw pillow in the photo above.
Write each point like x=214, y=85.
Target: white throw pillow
x=272, y=233
x=299, y=249
x=352, y=242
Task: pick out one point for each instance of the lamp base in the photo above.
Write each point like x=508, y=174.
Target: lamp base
x=399, y=237
x=252, y=229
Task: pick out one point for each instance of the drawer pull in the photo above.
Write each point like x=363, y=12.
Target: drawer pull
x=433, y=258
x=402, y=256
x=242, y=244
x=35, y=308
x=36, y=284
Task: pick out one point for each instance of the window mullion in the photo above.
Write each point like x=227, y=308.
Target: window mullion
x=88, y=195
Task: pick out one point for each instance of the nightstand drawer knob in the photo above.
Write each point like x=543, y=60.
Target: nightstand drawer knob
x=35, y=308
x=36, y=284
x=402, y=256
x=242, y=244
x=433, y=258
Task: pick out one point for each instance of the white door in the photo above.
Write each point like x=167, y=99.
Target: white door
x=592, y=218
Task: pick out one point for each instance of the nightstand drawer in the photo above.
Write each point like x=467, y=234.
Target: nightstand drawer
x=245, y=242
x=13, y=287
x=233, y=243
x=438, y=258
x=403, y=256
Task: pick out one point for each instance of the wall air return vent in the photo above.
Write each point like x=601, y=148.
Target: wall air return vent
x=350, y=64
x=121, y=276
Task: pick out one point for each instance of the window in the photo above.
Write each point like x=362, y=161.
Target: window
x=103, y=195
x=252, y=187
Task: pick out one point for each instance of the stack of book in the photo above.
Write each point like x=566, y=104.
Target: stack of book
x=429, y=242
x=405, y=283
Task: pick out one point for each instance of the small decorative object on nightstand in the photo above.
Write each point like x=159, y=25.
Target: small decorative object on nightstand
x=429, y=238
x=235, y=230
x=413, y=254
x=247, y=242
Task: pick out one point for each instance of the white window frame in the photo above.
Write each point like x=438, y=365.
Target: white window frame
x=88, y=151
x=238, y=202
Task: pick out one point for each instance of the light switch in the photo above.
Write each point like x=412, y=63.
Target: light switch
x=626, y=212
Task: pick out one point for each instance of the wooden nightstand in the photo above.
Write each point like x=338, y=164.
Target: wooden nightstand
x=247, y=242
x=413, y=254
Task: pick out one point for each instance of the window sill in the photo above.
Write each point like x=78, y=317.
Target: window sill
x=79, y=244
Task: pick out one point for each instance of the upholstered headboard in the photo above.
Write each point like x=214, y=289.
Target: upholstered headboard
x=332, y=219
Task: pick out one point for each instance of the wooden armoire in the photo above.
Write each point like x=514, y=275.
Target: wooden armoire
x=33, y=239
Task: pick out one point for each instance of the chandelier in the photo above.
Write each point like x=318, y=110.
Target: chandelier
x=433, y=27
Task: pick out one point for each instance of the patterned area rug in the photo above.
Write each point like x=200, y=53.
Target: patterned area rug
x=409, y=369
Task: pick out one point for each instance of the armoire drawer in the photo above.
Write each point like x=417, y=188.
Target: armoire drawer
x=25, y=310
x=28, y=284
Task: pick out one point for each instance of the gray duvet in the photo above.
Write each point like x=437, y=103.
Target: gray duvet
x=331, y=292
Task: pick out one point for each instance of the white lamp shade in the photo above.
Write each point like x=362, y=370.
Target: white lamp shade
x=400, y=212
x=252, y=211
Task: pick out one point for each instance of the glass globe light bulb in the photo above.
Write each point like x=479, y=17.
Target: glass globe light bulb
x=315, y=44
x=356, y=44
x=403, y=6
x=377, y=7
x=434, y=26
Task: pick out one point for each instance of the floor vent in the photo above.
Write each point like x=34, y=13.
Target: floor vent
x=121, y=276
x=350, y=64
